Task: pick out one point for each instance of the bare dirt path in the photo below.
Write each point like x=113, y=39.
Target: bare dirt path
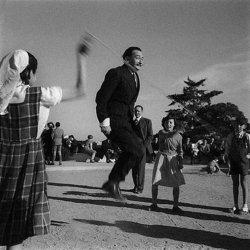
x=84, y=217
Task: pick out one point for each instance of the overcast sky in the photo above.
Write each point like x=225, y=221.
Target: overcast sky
x=200, y=39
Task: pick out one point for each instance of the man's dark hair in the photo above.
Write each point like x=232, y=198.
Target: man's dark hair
x=139, y=106
x=58, y=124
x=241, y=121
x=128, y=52
x=32, y=66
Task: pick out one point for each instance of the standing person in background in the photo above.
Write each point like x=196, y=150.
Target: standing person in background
x=115, y=110
x=47, y=139
x=143, y=129
x=213, y=148
x=237, y=155
x=155, y=146
x=24, y=110
x=187, y=148
x=58, y=135
x=168, y=164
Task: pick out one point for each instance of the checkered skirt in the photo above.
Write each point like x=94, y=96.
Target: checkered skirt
x=24, y=207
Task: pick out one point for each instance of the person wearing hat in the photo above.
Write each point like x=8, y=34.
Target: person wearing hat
x=237, y=153
x=24, y=110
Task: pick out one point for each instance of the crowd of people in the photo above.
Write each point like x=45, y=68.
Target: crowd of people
x=201, y=152
x=204, y=150
x=24, y=110
x=60, y=147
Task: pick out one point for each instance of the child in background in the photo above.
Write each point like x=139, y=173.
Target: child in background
x=58, y=135
x=168, y=164
x=237, y=153
x=213, y=166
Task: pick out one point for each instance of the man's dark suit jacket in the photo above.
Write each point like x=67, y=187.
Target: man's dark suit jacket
x=117, y=95
x=145, y=132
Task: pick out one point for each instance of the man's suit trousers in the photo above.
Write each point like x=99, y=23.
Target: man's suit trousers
x=138, y=172
x=125, y=137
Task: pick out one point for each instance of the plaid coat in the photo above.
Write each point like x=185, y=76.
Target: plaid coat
x=24, y=207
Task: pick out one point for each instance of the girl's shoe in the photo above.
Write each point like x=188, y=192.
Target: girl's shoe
x=153, y=207
x=234, y=210
x=244, y=211
x=177, y=210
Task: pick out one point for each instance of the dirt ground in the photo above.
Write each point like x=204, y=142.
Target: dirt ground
x=84, y=217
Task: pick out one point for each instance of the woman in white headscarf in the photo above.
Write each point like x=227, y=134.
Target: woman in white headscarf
x=24, y=110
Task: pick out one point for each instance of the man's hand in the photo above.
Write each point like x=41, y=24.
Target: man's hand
x=106, y=130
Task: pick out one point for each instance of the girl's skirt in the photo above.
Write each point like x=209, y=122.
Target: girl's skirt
x=166, y=171
x=24, y=207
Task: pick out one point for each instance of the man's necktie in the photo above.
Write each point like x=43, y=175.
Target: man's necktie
x=136, y=79
x=136, y=121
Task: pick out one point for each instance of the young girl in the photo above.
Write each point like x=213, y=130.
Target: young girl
x=24, y=207
x=168, y=163
x=237, y=153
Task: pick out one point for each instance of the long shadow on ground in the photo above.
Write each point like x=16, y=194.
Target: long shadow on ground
x=71, y=185
x=58, y=223
x=146, y=200
x=130, y=197
x=195, y=215
x=193, y=236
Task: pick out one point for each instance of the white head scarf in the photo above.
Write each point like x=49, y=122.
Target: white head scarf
x=10, y=68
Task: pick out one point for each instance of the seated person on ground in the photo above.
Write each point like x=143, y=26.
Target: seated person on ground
x=213, y=166
x=109, y=150
x=88, y=148
x=71, y=144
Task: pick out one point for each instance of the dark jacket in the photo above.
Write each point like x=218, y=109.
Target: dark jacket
x=117, y=95
x=145, y=132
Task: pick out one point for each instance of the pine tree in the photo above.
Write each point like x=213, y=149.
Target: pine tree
x=190, y=102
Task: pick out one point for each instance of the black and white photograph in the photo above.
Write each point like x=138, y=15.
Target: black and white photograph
x=124, y=124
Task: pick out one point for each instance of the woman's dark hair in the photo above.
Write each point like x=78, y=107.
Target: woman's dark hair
x=128, y=51
x=32, y=66
x=50, y=123
x=166, y=118
x=90, y=136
